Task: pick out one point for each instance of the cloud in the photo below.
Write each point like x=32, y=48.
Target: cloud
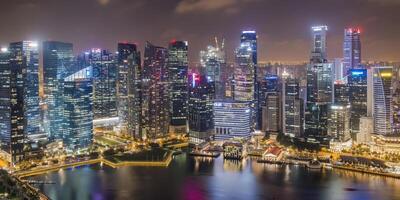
x=228, y=6
x=386, y=2
x=103, y=2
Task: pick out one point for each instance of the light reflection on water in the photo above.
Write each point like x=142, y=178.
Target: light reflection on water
x=206, y=178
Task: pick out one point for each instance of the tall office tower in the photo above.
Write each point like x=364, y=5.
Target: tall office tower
x=319, y=89
x=104, y=82
x=383, y=107
x=25, y=55
x=341, y=93
x=125, y=51
x=396, y=101
x=77, y=111
x=178, y=80
x=293, y=109
x=357, y=83
x=232, y=119
x=338, y=70
x=351, y=49
x=339, y=123
x=248, y=39
x=201, y=99
x=12, y=113
x=155, y=92
x=318, y=52
x=270, y=104
x=57, y=61
x=214, y=61
x=135, y=96
x=244, y=87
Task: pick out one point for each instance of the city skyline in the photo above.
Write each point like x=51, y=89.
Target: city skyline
x=103, y=23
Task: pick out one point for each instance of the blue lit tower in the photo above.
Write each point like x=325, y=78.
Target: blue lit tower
x=319, y=89
x=57, y=60
x=351, y=49
x=357, y=84
x=383, y=108
x=78, y=110
x=25, y=57
x=178, y=83
x=155, y=109
x=104, y=67
x=269, y=104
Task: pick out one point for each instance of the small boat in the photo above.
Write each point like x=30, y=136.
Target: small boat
x=205, y=154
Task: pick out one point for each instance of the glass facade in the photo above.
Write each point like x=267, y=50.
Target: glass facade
x=57, y=61
x=358, y=88
x=351, y=50
x=178, y=85
x=383, y=108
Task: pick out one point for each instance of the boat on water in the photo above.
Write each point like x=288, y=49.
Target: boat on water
x=314, y=164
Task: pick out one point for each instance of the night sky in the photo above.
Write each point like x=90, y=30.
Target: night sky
x=283, y=26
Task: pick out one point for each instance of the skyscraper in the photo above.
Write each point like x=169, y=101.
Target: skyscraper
x=293, y=109
x=12, y=136
x=351, y=49
x=318, y=52
x=341, y=93
x=57, y=61
x=214, y=61
x=201, y=99
x=178, y=83
x=135, y=96
x=125, y=51
x=357, y=83
x=78, y=110
x=104, y=82
x=319, y=88
x=244, y=88
x=155, y=92
x=25, y=60
x=270, y=104
x=339, y=123
x=383, y=108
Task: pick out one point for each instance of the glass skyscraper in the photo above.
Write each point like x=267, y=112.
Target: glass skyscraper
x=383, y=108
x=178, y=84
x=25, y=54
x=269, y=104
x=201, y=120
x=128, y=63
x=351, y=50
x=155, y=92
x=319, y=89
x=78, y=110
x=104, y=67
x=358, y=89
x=57, y=61
x=293, y=108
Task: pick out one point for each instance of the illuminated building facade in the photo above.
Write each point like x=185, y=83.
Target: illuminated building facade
x=351, y=50
x=232, y=119
x=383, y=108
x=104, y=82
x=319, y=88
x=269, y=104
x=25, y=57
x=339, y=123
x=155, y=92
x=128, y=62
x=341, y=93
x=293, y=109
x=178, y=83
x=78, y=110
x=214, y=61
x=358, y=90
x=57, y=61
x=201, y=99
x=11, y=109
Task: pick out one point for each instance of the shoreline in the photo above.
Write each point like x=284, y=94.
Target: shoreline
x=164, y=163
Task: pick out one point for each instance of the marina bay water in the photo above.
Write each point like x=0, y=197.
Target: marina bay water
x=211, y=179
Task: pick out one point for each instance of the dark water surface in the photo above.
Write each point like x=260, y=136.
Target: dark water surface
x=203, y=179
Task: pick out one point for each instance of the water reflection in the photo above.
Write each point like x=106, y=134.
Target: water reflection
x=206, y=178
